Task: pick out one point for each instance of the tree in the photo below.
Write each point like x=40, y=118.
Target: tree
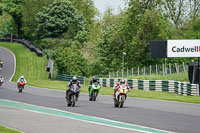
x=86, y=8
x=58, y=18
x=29, y=23
x=70, y=61
x=13, y=7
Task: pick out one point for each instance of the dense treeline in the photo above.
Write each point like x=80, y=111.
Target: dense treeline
x=82, y=42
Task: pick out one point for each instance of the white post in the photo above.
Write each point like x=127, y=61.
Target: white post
x=156, y=69
x=150, y=69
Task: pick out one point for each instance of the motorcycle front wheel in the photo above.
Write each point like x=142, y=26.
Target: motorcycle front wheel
x=122, y=101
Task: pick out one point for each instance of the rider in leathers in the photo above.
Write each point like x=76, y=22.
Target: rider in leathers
x=94, y=79
x=73, y=81
x=117, y=85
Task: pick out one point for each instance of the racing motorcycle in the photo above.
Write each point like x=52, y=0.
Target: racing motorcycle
x=120, y=96
x=73, y=95
x=94, y=91
x=21, y=85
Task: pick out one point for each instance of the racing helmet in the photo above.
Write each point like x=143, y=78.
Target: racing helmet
x=74, y=78
x=122, y=81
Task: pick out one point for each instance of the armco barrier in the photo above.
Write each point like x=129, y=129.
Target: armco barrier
x=180, y=88
x=26, y=43
x=64, y=77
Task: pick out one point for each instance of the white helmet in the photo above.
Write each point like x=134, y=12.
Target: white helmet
x=22, y=77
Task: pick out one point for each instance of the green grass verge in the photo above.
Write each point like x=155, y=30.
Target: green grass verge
x=33, y=68
x=179, y=77
x=6, y=130
x=27, y=64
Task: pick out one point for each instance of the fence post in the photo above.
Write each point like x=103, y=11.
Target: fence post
x=122, y=73
x=184, y=68
x=170, y=69
x=176, y=68
x=163, y=69
x=127, y=71
x=138, y=71
x=132, y=71
x=156, y=69
x=144, y=70
x=109, y=75
x=150, y=69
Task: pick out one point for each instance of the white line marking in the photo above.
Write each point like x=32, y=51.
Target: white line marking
x=14, y=62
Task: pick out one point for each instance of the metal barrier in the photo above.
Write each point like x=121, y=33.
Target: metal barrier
x=26, y=43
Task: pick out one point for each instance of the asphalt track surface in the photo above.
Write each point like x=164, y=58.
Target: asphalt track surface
x=164, y=115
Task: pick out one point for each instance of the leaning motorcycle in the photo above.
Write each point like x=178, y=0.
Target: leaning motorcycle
x=21, y=85
x=94, y=91
x=120, y=96
x=73, y=95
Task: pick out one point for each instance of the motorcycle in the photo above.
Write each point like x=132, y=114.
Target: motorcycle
x=73, y=95
x=120, y=96
x=94, y=91
x=21, y=85
x=1, y=83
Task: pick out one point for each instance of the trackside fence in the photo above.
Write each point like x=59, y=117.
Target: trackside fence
x=64, y=77
x=180, y=88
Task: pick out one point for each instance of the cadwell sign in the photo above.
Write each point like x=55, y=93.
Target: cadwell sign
x=183, y=48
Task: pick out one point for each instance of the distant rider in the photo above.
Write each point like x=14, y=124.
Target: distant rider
x=1, y=64
x=73, y=81
x=117, y=86
x=1, y=79
x=94, y=80
x=21, y=79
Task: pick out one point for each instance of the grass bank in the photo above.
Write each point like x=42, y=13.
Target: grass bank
x=34, y=70
x=7, y=130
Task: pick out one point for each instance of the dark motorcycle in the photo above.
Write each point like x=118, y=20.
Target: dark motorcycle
x=73, y=95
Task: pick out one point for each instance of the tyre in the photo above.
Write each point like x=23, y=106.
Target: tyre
x=69, y=100
x=122, y=101
x=20, y=90
x=73, y=100
x=90, y=98
x=116, y=105
x=94, y=96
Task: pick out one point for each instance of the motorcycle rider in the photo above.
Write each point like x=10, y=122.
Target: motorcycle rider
x=73, y=81
x=94, y=80
x=21, y=79
x=1, y=79
x=1, y=63
x=117, y=86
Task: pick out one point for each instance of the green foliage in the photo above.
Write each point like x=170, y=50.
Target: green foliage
x=7, y=25
x=86, y=8
x=192, y=30
x=131, y=34
x=14, y=8
x=58, y=18
x=29, y=23
x=53, y=43
x=70, y=61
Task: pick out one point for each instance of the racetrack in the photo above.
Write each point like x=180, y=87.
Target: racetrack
x=170, y=116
